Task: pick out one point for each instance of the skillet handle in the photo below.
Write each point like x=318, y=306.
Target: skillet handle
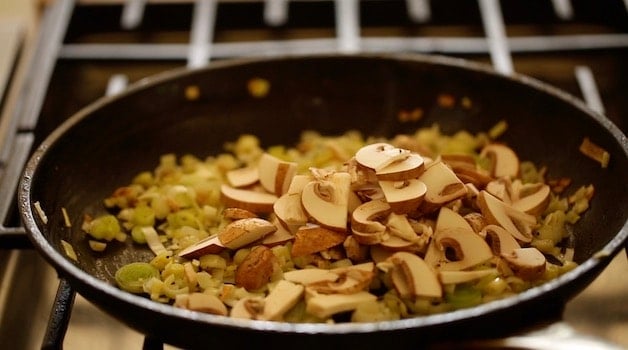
x=59, y=316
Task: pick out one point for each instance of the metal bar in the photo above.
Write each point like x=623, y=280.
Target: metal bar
x=455, y=45
x=276, y=12
x=132, y=13
x=59, y=316
x=563, y=9
x=37, y=74
x=496, y=35
x=11, y=176
x=589, y=89
x=348, y=25
x=419, y=10
x=203, y=22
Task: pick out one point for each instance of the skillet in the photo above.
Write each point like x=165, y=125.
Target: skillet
x=104, y=145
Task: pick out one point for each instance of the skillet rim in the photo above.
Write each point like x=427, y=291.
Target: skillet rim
x=69, y=270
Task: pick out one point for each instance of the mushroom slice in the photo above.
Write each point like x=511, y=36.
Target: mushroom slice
x=253, y=201
x=517, y=223
x=460, y=249
x=476, y=221
x=396, y=243
x=280, y=236
x=377, y=156
x=289, y=210
x=237, y=213
x=209, y=245
x=534, y=203
x=455, y=277
x=464, y=166
x=447, y=219
x=275, y=175
x=326, y=305
x=256, y=269
x=380, y=254
x=327, y=201
x=241, y=232
x=442, y=185
x=527, y=263
x=248, y=308
x=243, y=177
x=420, y=280
x=408, y=168
x=365, y=217
x=404, y=196
x=282, y=297
x=310, y=275
x=207, y=303
x=500, y=241
x=399, y=226
x=504, y=161
x=347, y=283
x=312, y=239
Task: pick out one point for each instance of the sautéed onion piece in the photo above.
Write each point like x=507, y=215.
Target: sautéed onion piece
x=344, y=228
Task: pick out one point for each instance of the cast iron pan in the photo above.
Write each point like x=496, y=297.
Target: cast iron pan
x=107, y=143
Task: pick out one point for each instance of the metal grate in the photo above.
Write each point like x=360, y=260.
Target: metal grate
x=199, y=37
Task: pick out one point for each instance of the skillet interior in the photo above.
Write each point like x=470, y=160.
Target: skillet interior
x=106, y=144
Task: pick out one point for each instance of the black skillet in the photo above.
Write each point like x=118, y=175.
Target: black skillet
x=108, y=142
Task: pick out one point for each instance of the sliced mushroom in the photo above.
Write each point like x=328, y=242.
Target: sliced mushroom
x=404, y=196
x=256, y=269
x=533, y=203
x=408, y=168
x=248, y=308
x=207, y=303
x=280, y=236
x=326, y=305
x=310, y=275
x=348, y=283
x=241, y=232
x=312, y=239
x=396, y=243
x=500, y=240
x=442, y=185
x=243, y=177
x=209, y=245
x=377, y=156
x=237, y=213
x=504, y=161
x=460, y=249
x=527, y=263
x=253, y=201
x=289, y=210
x=366, y=217
x=282, y=297
x=420, y=280
x=275, y=174
x=465, y=168
x=447, y=219
x=327, y=201
x=517, y=223
x=399, y=226
x=476, y=221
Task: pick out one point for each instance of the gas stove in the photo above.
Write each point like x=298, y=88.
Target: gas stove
x=90, y=48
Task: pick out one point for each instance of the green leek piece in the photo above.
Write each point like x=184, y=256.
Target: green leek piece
x=131, y=277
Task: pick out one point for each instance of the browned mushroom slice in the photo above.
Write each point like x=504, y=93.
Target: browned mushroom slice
x=256, y=269
x=377, y=156
x=418, y=277
x=275, y=174
x=326, y=305
x=207, y=303
x=282, y=297
x=517, y=223
x=239, y=233
x=312, y=239
x=209, y=245
x=442, y=186
x=408, y=168
x=404, y=196
x=237, y=214
x=504, y=161
x=327, y=201
x=253, y=201
x=500, y=241
x=242, y=177
x=527, y=263
x=459, y=249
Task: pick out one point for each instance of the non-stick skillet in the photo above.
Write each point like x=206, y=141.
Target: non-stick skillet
x=108, y=142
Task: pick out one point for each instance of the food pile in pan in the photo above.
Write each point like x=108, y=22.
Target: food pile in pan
x=344, y=228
